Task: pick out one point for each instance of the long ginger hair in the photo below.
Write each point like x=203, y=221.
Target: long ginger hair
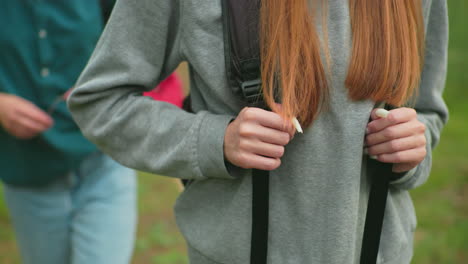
x=386, y=59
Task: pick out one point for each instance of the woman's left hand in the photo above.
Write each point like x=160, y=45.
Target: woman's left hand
x=398, y=138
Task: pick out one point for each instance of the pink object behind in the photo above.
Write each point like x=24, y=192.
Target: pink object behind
x=170, y=90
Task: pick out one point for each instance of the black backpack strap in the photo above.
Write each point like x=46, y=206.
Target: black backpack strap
x=380, y=174
x=242, y=49
x=242, y=59
x=260, y=216
x=106, y=9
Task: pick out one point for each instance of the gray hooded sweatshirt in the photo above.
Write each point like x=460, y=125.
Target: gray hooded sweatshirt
x=318, y=196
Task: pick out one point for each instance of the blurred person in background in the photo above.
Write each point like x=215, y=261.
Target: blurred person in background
x=68, y=202
x=170, y=90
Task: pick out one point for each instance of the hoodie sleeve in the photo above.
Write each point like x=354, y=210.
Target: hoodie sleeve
x=140, y=47
x=430, y=105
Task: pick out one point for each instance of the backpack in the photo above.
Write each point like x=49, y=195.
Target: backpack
x=242, y=59
x=106, y=9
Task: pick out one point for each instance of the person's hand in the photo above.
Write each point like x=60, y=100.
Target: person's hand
x=67, y=93
x=21, y=118
x=256, y=139
x=398, y=138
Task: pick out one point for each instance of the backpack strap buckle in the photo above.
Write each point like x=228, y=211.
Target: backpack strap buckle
x=251, y=90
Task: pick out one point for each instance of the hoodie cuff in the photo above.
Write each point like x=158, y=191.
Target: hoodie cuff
x=404, y=177
x=210, y=148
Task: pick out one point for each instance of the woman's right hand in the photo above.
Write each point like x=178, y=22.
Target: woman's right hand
x=21, y=118
x=256, y=139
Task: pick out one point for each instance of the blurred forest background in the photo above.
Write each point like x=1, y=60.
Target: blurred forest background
x=441, y=204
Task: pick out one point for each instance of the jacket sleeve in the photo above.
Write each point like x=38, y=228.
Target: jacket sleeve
x=138, y=49
x=430, y=105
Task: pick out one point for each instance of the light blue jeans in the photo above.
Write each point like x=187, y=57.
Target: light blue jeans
x=88, y=217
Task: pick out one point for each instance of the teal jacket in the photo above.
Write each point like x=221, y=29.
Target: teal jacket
x=44, y=45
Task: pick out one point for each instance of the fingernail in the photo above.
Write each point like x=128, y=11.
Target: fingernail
x=373, y=157
x=367, y=130
x=297, y=125
x=381, y=113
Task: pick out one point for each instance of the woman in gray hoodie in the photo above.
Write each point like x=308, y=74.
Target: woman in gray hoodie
x=318, y=180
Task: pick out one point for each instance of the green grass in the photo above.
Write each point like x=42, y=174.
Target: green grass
x=158, y=238
x=441, y=204
x=8, y=251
